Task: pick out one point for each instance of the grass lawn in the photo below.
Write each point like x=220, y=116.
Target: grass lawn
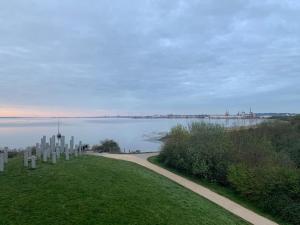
x=224, y=191
x=95, y=190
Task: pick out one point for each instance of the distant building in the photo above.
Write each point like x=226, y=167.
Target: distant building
x=244, y=115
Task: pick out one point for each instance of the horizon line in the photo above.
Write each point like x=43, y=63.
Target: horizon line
x=114, y=116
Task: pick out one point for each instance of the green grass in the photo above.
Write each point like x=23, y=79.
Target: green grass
x=224, y=191
x=95, y=190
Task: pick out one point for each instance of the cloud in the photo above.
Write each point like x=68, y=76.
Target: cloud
x=150, y=56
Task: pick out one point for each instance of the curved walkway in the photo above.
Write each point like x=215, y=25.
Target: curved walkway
x=226, y=203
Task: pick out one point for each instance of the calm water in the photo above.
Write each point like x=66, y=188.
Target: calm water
x=131, y=134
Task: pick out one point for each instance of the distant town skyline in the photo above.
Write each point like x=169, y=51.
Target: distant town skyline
x=95, y=58
x=227, y=114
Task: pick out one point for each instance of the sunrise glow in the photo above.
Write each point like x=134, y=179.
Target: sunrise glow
x=19, y=111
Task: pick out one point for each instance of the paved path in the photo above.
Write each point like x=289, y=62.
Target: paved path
x=231, y=206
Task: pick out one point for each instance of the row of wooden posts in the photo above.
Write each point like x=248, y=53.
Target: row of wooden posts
x=46, y=152
x=52, y=151
x=3, y=158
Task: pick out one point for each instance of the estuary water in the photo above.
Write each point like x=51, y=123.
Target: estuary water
x=131, y=134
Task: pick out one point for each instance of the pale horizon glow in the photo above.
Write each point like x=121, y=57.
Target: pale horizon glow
x=37, y=112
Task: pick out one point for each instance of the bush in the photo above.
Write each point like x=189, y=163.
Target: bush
x=200, y=149
x=107, y=146
x=292, y=213
x=262, y=164
x=12, y=154
x=173, y=152
x=273, y=189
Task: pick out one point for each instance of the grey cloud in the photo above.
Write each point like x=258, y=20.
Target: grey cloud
x=151, y=56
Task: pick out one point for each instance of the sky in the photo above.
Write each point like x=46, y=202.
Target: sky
x=104, y=57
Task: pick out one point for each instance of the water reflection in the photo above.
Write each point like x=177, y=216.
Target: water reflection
x=132, y=134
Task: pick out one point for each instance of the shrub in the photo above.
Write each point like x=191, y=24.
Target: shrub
x=261, y=164
x=12, y=154
x=273, y=189
x=107, y=146
x=292, y=213
x=173, y=152
x=200, y=149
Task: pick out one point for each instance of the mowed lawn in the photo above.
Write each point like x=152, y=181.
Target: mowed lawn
x=94, y=190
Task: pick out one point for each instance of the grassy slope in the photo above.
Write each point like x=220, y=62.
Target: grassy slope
x=227, y=192
x=95, y=190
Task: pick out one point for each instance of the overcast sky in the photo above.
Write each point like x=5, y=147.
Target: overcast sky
x=95, y=57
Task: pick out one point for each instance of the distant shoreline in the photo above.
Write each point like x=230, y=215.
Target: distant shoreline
x=169, y=116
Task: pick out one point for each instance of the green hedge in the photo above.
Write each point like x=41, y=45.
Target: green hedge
x=261, y=164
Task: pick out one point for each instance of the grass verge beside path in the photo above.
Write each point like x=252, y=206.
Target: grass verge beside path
x=95, y=190
x=224, y=191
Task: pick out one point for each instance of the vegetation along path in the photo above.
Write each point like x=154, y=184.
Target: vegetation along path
x=231, y=206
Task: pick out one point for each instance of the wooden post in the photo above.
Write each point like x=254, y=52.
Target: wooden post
x=54, y=157
x=1, y=161
x=76, y=150
x=45, y=155
x=38, y=150
x=62, y=144
x=72, y=145
x=25, y=158
x=80, y=148
x=6, y=155
x=33, y=162
x=67, y=153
